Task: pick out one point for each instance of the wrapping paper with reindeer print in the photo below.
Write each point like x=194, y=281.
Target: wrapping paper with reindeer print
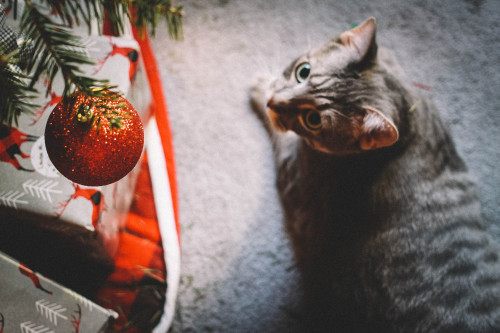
x=31, y=303
x=31, y=189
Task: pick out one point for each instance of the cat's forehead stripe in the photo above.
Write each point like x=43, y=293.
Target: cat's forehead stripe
x=325, y=49
x=315, y=53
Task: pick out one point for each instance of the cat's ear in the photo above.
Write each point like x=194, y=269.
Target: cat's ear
x=360, y=39
x=377, y=130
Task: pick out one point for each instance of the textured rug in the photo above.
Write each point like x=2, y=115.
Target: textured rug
x=238, y=273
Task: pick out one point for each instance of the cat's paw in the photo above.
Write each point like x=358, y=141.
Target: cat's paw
x=260, y=94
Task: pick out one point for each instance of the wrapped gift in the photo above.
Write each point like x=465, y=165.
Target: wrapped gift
x=29, y=302
x=87, y=236
x=43, y=215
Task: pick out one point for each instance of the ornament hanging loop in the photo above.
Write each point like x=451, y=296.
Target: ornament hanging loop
x=84, y=114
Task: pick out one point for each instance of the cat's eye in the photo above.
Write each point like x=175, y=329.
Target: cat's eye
x=311, y=120
x=302, y=72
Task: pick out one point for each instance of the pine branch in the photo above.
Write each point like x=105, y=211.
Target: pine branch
x=70, y=12
x=16, y=95
x=116, y=11
x=151, y=11
x=56, y=49
x=174, y=22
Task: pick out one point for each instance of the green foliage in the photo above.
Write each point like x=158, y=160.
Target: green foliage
x=57, y=50
x=71, y=11
x=17, y=95
x=151, y=11
x=115, y=11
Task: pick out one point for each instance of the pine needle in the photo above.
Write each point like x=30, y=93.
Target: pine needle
x=16, y=97
x=57, y=50
x=150, y=12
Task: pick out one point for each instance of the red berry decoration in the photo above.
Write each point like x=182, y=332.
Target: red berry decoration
x=94, y=140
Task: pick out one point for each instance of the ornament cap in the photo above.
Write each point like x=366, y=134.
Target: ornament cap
x=85, y=114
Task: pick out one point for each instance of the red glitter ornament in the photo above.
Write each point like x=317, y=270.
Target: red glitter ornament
x=92, y=140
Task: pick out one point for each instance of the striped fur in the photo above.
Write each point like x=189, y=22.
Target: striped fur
x=388, y=239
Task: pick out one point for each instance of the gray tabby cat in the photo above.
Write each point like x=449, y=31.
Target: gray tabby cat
x=385, y=222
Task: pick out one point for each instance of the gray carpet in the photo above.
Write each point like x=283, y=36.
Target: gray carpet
x=238, y=274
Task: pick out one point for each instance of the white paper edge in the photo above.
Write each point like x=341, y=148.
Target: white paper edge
x=166, y=222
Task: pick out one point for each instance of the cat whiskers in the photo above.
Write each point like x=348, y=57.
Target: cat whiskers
x=338, y=113
x=265, y=68
x=414, y=106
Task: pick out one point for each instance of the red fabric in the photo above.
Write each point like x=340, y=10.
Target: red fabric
x=161, y=115
x=139, y=259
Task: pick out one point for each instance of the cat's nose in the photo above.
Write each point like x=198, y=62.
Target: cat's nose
x=278, y=105
x=275, y=105
x=270, y=103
